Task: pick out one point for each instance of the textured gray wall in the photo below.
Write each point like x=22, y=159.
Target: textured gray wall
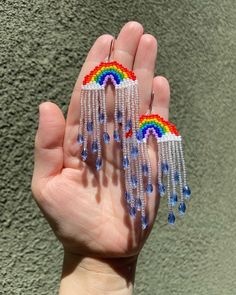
x=42, y=47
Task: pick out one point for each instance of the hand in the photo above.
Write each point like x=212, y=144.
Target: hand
x=85, y=208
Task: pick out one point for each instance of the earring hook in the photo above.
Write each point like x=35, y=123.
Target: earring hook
x=111, y=49
x=151, y=101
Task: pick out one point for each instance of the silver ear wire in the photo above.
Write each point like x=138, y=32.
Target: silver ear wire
x=149, y=111
x=152, y=98
x=111, y=49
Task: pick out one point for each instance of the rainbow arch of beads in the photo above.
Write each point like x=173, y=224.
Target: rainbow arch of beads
x=100, y=75
x=154, y=124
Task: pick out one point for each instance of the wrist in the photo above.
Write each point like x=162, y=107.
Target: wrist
x=89, y=275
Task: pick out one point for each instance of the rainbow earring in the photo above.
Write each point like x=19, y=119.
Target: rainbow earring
x=132, y=132
x=171, y=169
x=93, y=127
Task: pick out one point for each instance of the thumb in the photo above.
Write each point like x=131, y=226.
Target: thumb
x=49, y=141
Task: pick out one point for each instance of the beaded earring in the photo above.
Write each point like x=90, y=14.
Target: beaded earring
x=93, y=127
x=171, y=164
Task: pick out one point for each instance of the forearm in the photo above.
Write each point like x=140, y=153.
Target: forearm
x=91, y=276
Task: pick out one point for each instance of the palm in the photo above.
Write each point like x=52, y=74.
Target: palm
x=87, y=209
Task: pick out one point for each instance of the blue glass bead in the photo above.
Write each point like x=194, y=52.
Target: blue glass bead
x=90, y=127
x=84, y=154
x=98, y=163
x=145, y=169
x=134, y=152
x=149, y=188
x=176, y=177
x=106, y=137
x=171, y=218
x=134, y=181
x=101, y=118
x=139, y=135
x=132, y=211
x=144, y=221
x=116, y=136
x=165, y=168
x=128, y=125
x=119, y=116
x=80, y=139
x=173, y=199
x=138, y=204
x=161, y=189
x=182, y=208
x=186, y=192
x=125, y=162
x=94, y=146
x=128, y=197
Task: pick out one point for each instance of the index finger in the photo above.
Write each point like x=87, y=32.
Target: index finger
x=97, y=54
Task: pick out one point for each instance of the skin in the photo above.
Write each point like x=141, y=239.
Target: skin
x=85, y=208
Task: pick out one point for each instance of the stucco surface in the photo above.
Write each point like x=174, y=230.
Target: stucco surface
x=42, y=47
